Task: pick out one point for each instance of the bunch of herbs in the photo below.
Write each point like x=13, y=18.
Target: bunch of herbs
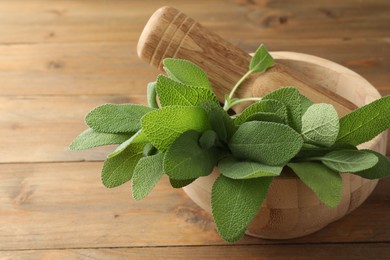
x=185, y=133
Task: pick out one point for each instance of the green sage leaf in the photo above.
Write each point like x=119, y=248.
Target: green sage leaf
x=267, y=117
x=326, y=183
x=138, y=137
x=219, y=120
x=180, y=183
x=291, y=98
x=186, y=72
x=235, y=169
x=119, y=169
x=380, y=170
x=208, y=139
x=365, y=123
x=261, y=60
x=305, y=103
x=90, y=138
x=152, y=94
x=185, y=159
x=320, y=125
x=147, y=173
x=265, y=142
x=235, y=203
x=263, y=106
x=164, y=125
x=349, y=160
x=172, y=93
x=113, y=118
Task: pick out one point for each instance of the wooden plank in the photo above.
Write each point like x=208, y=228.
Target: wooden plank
x=64, y=205
x=274, y=252
x=114, y=68
x=81, y=21
x=39, y=129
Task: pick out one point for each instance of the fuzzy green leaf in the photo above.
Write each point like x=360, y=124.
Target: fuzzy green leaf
x=349, y=160
x=180, y=183
x=152, y=94
x=320, y=125
x=267, y=117
x=138, y=137
x=261, y=60
x=305, y=103
x=219, y=120
x=185, y=159
x=235, y=169
x=263, y=106
x=186, y=72
x=147, y=173
x=326, y=183
x=365, y=123
x=265, y=142
x=380, y=170
x=208, y=139
x=113, y=118
x=90, y=138
x=235, y=203
x=119, y=169
x=172, y=93
x=164, y=125
x=291, y=98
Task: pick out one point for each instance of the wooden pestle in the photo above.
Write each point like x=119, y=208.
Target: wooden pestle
x=170, y=33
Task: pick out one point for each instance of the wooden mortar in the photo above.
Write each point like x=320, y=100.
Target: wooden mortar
x=291, y=209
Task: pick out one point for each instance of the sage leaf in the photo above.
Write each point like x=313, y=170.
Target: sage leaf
x=326, y=183
x=349, y=160
x=152, y=94
x=380, y=170
x=219, y=120
x=138, y=137
x=264, y=106
x=365, y=123
x=305, y=103
x=291, y=98
x=208, y=139
x=264, y=116
x=186, y=72
x=185, y=159
x=320, y=125
x=119, y=169
x=265, y=142
x=261, y=60
x=180, y=183
x=149, y=149
x=235, y=169
x=172, y=93
x=90, y=138
x=164, y=125
x=235, y=203
x=116, y=118
x=147, y=173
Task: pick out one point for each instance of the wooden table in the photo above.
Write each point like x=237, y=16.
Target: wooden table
x=59, y=59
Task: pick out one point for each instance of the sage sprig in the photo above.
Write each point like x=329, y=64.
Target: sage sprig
x=185, y=133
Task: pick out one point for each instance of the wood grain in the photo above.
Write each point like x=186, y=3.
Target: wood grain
x=121, y=20
x=113, y=68
x=59, y=59
x=274, y=252
x=64, y=205
x=40, y=129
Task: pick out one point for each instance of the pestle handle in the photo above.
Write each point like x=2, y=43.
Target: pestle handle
x=170, y=33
